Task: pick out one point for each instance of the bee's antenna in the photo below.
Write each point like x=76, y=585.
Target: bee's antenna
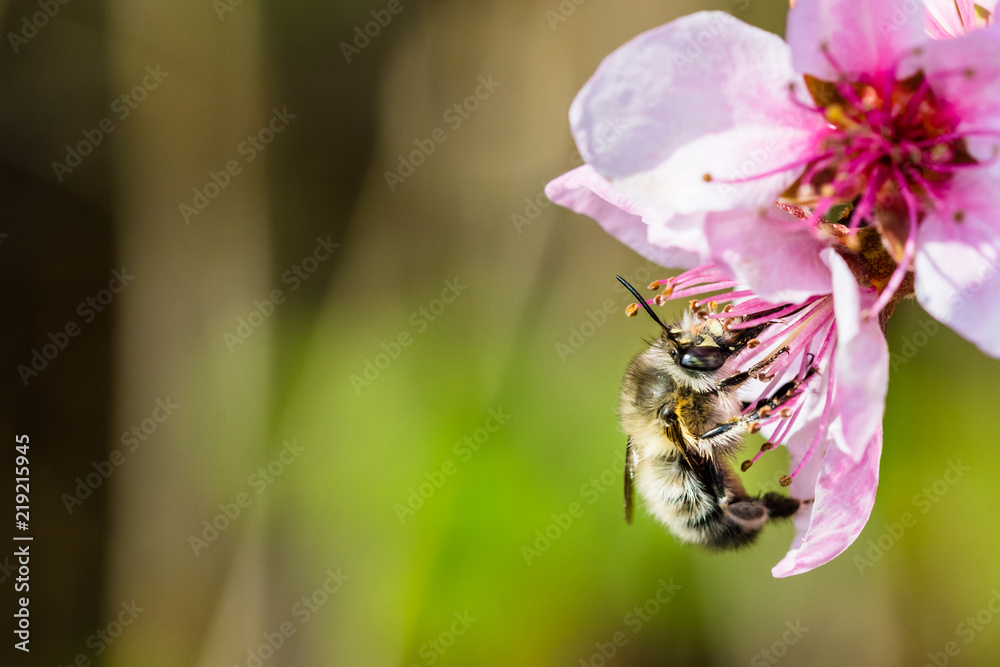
x=642, y=302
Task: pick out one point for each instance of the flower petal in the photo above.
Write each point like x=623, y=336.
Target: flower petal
x=956, y=264
x=861, y=361
x=706, y=77
x=843, y=501
x=745, y=167
x=772, y=252
x=585, y=191
x=965, y=72
x=862, y=37
x=949, y=18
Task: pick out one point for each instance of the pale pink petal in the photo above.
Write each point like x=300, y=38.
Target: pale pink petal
x=798, y=443
x=956, y=265
x=949, y=18
x=771, y=251
x=862, y=37
x=585, y=191
x=744, y=167
x=966, y=73
x=862, y=361
x=843, y=501
x=699, y=76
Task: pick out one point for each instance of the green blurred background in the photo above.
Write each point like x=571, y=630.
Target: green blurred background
x=418, y=430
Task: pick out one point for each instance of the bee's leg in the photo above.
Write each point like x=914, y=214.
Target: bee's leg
x=779, y=506
x=785, y=393
x=736, y=380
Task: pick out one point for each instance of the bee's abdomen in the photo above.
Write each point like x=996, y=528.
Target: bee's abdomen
x=718, y=520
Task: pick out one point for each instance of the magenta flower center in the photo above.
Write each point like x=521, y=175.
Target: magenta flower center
x=890, y=149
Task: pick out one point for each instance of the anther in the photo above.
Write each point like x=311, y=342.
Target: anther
x=767, y=446
x=754, y=427
x=746, y=465
x=959, y=216
x=713, y=306
x=764, y=413
x=707, y=178
x=693, y=305
x=785, y=480
x=659, y=299
x=702, y=315
x=632, y=309
x=785, y=413
x=728, y=308
x=654, y=285
x=753, y=343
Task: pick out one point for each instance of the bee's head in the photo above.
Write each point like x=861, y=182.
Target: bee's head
x=692, y=350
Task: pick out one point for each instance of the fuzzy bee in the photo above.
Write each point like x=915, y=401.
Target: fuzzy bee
x=685, y=424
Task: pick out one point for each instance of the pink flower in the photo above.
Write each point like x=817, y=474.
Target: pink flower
x=832, y=175
x=832, y=430
x=859, y=109
x=951, y=18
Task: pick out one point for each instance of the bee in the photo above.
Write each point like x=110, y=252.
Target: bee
x=685, y=424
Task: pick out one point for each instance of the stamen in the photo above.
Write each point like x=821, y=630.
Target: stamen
x=909, y=248
x=824, y=419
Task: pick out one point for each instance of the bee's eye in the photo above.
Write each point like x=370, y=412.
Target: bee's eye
x=673, y=353
x=703, y=358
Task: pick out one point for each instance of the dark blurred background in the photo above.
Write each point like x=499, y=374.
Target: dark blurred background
x=286, y=409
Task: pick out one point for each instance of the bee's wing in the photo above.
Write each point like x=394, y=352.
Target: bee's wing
x=629, y=474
